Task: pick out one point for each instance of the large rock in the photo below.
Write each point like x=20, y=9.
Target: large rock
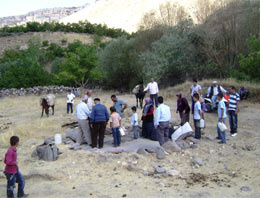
x=182, y=144
x=171, y=146
x=160, y=153
x=72, y=134
x=142, y=151
x=193, y=140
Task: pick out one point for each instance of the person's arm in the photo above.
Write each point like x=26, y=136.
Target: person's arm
x=110, y=123
x=10, y=159
x=170, y=115
x=151, y=111
x=92, y=117
x=125, y=106
x=147, y=87
x=209, y=89
x=237, y=107
x=186, y=105
x=222, y=114
x=223, y=90
x=120, y=122
x=107, y=115
x=157, y=88
x=190, y=89
x=157, y=117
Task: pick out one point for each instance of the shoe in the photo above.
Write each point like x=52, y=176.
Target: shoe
x=221, y=142
x=218, y=138
x=234, y=134
x=24, y=196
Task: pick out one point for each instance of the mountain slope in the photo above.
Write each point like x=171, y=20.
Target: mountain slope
x=125, y=14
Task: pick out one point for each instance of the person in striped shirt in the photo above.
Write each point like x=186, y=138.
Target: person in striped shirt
x=233, y=109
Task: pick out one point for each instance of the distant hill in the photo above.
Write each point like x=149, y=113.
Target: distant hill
x=43, y=15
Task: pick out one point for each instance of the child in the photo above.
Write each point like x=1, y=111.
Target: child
x=70, y=101
x=115, y=123
x=134, y=122
x=221, y=118
x=197, y=115
x=12, y=172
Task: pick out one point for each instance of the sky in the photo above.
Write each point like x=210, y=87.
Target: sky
x=19, y=7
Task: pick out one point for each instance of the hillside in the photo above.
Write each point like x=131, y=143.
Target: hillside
x=21, y=40
x=43, y=15
x=125, y=14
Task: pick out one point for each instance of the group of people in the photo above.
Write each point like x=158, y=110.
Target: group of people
x=156, y=116
x=224, y=108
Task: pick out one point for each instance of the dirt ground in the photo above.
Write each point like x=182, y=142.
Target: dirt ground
x=230, y=170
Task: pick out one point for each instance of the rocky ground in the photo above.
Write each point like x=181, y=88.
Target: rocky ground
x=205, y=170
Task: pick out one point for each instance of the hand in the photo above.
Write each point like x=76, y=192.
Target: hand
x=221, y=120
x=177, y=111
x=144, y=114
x=91, y=126
x=184, y=111
x=122, y=111
x=236, y=112
x=156, y=126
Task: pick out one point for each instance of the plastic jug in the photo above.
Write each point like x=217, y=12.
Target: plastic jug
x=57, y=139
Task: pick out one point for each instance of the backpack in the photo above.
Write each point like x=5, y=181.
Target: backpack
x=46, y=152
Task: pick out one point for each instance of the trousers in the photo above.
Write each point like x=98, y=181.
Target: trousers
x=98, y=134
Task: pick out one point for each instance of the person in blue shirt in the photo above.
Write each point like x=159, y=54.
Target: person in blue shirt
x=119, y=105
x=98, y=121
x=162, y=119
x=221, y=118
x=197, y=115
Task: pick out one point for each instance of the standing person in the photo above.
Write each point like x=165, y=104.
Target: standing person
x=148, y=119
x=70, y=101
x=115, y=123
x=134, y=122
x=183, y=109
x=213, y=92
x=162, y=119
x=154, y=90
x=83, y=113
x=233, y=109
x=197, y=115
x=119, y=105
x=12, y=173
x=221, y=118
x=98, y=119
x=195, y=88
x=90, y=102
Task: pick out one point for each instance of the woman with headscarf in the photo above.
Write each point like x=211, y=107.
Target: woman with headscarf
x=183, y=109
x=148, y=118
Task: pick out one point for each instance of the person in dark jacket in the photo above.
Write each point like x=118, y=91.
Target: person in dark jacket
x=98, y=121
x=148, y=119
x=213, y=92
x=183, y=109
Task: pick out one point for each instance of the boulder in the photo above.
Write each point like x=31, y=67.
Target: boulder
x=142, y=151
x=171, y=146
x=193, y=140
x=160, y=153
x=182, y=144
x=72, y=134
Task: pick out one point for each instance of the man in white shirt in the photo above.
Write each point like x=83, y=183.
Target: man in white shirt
x=154, y=90
x=83, y=113
x=162, y=119
x=70, y=101
x=195, y=88
x=213, y=92
x=90, y=101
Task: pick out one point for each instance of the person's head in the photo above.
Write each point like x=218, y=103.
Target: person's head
x=160, y=99
x=114, y=98
x=214, y=83
x=196, y=97
x=242, y=88
x=134, y=109
x=14, y=141
x=179, y=96
x=69, y=91
x=85, y=99
x=152, y=79
x=89, y=93
x=112, y=109
x=232, y=89
x=195, y=81
x=97, y=100
x=220, y=96
x=147, y=100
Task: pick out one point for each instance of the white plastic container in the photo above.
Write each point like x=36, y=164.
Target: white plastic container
x=222, y=126
x=58, y=139
x=186, y=128
x=202, y=123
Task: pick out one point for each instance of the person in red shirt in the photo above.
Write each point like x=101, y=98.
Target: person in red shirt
x=12, y=172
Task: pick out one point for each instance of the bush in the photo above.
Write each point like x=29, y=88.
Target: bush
x=45, y=43
x=120, y=64
x=64, y=41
